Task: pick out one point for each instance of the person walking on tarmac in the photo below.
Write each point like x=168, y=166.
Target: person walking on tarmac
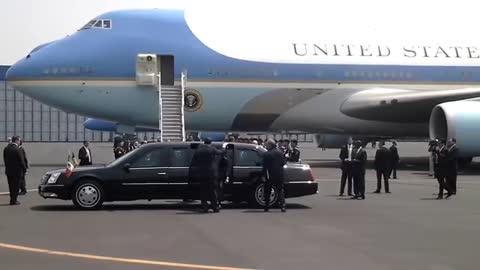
x=14, y=167
x=358, y=170
x=204, y=170
x=119, y=151
x=382, y=166
x=273, y=162
x=441, y=169
x=452, y=165
x=395, y=159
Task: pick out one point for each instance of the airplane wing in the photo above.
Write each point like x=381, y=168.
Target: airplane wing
x=401, y=106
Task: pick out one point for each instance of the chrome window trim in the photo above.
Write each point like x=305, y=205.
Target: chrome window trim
x=148, y=168
x=144, y=184
x=300, y=182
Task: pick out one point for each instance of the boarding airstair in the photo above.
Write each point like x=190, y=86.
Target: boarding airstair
x=171, y=112
x=157, y=72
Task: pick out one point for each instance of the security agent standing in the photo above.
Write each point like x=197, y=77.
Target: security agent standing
x=395, y=160
x=382, y=166
x=346, y=154
x=23, y=185
x=119, y=151
x=440, y=153
x=451, y=165
x=358, y=169
x=85, y=154
x=273, y=162
x=294, y=152
x=14, y=167
x=204, y=169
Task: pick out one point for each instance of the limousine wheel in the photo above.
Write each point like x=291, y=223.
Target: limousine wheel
x=88, y=194
x=259, y=198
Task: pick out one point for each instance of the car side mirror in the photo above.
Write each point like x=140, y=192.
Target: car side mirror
x=127, y=167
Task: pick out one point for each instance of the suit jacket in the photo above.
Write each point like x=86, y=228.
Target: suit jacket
x=24, y=155
x=359, y=160
x=205, y=164
x=451, y=159
x=395, y=156
x=294, y=155
x=83, y=157
x=344, y=155
x=273, y=162
x=14, y=162
x=383, y=159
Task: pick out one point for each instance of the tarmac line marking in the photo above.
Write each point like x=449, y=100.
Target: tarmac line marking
x=8, y=193
x=115, y=259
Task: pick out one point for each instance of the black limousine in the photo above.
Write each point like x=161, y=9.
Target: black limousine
x=161, y=171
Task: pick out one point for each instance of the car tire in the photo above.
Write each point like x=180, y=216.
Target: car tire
x=88, y=194
x=256, y=196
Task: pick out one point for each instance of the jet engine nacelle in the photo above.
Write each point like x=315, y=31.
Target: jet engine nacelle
x=459, y=120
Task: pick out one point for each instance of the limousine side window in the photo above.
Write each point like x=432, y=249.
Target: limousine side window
x=182, y=157
x=248, y=157
x=154, y=158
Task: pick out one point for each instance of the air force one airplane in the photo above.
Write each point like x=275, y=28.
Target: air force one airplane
x=249, y=69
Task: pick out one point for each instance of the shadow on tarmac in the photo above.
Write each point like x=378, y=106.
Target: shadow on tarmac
x=193, y=208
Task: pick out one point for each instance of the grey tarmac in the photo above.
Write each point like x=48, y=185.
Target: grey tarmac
x=407, y=229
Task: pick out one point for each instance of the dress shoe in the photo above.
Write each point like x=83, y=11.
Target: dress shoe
x=448, y=195
x=340, y=195
x=15, y=203
x=23, y=192
x=350, y=194
x=265, y=210
x=284, y=209
x=376, y=191
x=388, y=192
x=354, y=197
x=440, y=198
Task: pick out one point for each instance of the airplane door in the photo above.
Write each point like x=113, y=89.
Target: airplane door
x=167, y=69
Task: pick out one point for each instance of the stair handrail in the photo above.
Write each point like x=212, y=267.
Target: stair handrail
x=183, y=82
x=160, y=106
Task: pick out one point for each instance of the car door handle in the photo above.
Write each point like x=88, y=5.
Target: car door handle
x=162, y=173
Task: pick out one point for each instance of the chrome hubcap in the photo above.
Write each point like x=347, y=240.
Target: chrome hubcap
x=88, y=195
x=260, y=195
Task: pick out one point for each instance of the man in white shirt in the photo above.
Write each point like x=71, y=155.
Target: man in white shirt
x=85, y=155
x=346, y=157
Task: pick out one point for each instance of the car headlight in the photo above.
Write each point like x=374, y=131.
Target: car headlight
x=53, y=178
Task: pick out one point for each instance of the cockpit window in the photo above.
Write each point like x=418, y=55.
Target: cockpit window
x=89, y=24
x=99, y=24
x=107, y=24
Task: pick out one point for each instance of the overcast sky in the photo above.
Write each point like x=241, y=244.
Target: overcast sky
x=28, y=23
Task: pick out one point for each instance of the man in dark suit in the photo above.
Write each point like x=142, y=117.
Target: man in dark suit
x=358, y=169
x=395, y=160
x=14, y=167
x=85, y=155
x=383, y=161
x=440, y=154
x=346, y=155
x=204, y=170
x=294, y=152
x=23, y=184
x=451, y=165
x=273, y=162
